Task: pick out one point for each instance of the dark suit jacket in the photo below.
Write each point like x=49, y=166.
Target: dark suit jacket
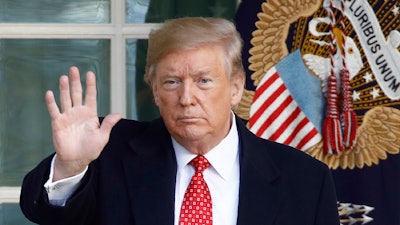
x=133, y=182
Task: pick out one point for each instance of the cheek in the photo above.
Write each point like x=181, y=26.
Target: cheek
x=165, y=101
x=219, y=104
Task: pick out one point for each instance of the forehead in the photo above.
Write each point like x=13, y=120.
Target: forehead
x=204, y=58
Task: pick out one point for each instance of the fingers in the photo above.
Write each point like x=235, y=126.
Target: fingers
x=52, y=105
x=65, y=98
x=76, y=86
x=91, y=91
x=71, y=90
x=109, y=122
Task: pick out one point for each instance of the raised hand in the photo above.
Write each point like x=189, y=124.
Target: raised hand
x=78, y=137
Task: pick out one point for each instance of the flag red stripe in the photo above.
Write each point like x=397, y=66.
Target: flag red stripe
x=307, y=138
x=295, y=131
x=265, y=85
x=285, y=124
x=256, y=116
x=275, y=114
x=270, y=100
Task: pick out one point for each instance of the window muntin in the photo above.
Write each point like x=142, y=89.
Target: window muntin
x=119, y=25
x=55, y=11
x=28, y=68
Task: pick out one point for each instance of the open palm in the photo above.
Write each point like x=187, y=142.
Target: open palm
x=78, y=136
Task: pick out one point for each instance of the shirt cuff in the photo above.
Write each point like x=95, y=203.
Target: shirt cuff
x=58, y=192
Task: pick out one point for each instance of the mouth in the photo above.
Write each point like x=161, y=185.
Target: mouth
x=189, y=119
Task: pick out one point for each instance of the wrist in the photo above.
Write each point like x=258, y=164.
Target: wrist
x=66, y=169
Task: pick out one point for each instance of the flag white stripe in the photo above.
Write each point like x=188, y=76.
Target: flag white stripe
x=289, y=130
x=301, y=134
x=282, y=117
x=269, y=110
x=267, y=93
x=313, y=141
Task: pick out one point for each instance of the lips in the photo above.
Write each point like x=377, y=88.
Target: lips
x=188, y=119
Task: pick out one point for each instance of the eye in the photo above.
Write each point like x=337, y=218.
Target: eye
x=205, y=82
x=170, y=84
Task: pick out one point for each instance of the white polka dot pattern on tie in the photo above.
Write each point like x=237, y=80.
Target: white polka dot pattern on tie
x=197, y=206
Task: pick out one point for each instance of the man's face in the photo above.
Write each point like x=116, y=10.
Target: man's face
x=194, y=94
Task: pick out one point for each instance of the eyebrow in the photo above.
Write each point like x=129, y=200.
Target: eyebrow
x=200, y=73
x=191, y=74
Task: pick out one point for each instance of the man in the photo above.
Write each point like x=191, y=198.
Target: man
x=129, y=172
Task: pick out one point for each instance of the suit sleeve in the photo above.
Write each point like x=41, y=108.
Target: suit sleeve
x=34, y=202
x=327, y=210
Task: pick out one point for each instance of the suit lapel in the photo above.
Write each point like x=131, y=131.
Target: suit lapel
x=150, y=175
x=260, y=195
x=151, y=172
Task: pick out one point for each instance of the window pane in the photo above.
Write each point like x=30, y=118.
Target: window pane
x=140, y=99
x=155, y=11
x=136, y=10
x=55, y=11
x=11, y=214
x=27, y=69
x=160, y=10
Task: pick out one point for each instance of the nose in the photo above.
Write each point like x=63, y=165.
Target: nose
x=187, y=93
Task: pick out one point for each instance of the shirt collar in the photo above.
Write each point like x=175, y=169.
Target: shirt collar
x=222, y=157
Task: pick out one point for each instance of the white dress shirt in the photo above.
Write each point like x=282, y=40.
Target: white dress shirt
x=222, y=178
x=58, y=192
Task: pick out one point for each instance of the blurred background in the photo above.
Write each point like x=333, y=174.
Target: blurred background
x=41, y=39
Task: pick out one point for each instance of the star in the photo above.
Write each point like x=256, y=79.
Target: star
x=375, y=93
x=356, y=95
x=395, y=10
x=367, y=77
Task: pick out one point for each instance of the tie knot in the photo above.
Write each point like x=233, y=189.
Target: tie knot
x=200, y=163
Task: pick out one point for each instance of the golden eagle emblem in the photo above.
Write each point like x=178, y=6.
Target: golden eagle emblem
x=335, y=36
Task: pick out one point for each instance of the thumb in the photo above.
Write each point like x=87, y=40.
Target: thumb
x=109, y=122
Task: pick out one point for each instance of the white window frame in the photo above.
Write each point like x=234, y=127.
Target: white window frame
x=117, y=31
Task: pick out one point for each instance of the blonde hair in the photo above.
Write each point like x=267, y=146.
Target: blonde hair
x=190, y=33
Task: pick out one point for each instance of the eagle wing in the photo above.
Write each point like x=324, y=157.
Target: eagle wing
x=378, y=136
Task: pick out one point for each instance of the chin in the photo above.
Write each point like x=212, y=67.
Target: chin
x=192, y=134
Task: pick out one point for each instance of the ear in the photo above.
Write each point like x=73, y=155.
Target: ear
x=237, y=88
x=156, y=94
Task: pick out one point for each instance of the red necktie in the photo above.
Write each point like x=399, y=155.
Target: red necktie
x=197, y=206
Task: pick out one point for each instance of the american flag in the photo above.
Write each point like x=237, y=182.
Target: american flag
x=275, y=114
